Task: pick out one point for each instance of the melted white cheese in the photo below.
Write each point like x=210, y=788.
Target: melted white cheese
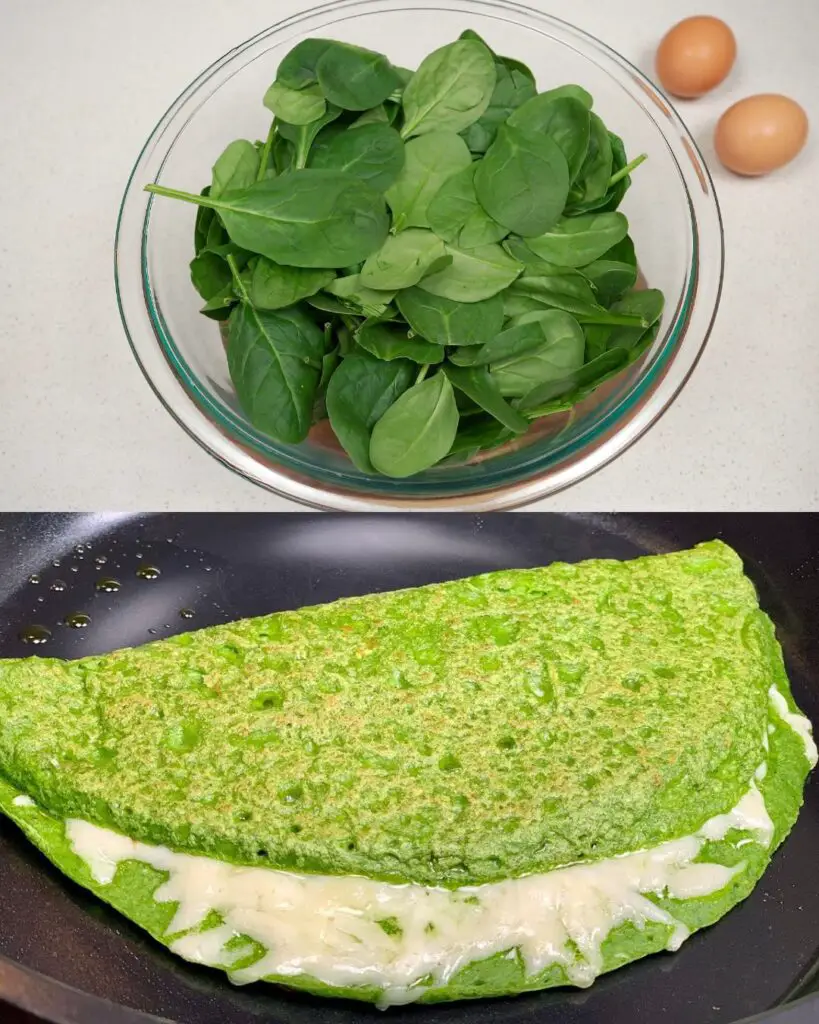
x=327, y=926
x=799, y=723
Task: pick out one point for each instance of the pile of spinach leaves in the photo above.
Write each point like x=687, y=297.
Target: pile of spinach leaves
x=431, y=259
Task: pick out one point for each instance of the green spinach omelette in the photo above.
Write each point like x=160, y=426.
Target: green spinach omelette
x=476, y=788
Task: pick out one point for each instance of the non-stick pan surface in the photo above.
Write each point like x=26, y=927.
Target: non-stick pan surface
x=69, y=958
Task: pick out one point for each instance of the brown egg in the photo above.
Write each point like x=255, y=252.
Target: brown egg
x=695, y=56
x=760, y=134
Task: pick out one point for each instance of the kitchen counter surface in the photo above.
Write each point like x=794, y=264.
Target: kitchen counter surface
x=81, y=87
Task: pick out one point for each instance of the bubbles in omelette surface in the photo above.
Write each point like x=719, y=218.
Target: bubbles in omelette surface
x=695, y=56
x=761, y=134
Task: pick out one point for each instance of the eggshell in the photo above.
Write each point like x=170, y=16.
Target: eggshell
x=695, y=56
x=760, y=134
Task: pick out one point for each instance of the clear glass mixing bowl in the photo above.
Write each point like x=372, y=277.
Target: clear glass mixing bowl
x=674, y=217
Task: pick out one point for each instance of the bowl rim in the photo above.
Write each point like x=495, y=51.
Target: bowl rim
x=234, y=442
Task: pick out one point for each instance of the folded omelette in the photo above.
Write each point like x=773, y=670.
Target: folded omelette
x=477, y=788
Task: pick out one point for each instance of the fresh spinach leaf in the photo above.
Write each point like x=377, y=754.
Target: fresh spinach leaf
x=330, y=304
x=619, y=164
x=476, y=434
x=512, y=341
x=218, y=242
x=448, y=322
x=218, y=307
x=359, y=393
x=391, y=341
x=619, y=183
x=512, y=90
x=450, y=90
x=417, y=430
x=576, y=92
x=298, y=68
x=597, y=339
x=274, y=361
x=561, y=288
x=529, y=333
x=564, y=119
x=456, y=215
x=429, y=161
x=267, y=168
x=648, y=304
x=351, y=289
x=377, y=115
x=301, y=137
x=296, y=106
x=516, y=305
x=508, y=62
x=473, y=275
x=577, y=384
x=523, y=181
x=561, y=354
x=592, y=183
x=209, y=274
x=237, y=167
x=404, y=259
x=614, y=273
x=309, y=218
x=354, y=78
x=204, y=220
x=270, y=286
x=374, y=153
x=283, y=152
x=578, y=241
x=329, y=361
x=517, y=66
x=476, y=382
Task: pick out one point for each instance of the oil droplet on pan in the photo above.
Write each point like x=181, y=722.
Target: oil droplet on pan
x=58, y=585
x=77, y=620
x=34, y=635
x=108, y=585
x=153, y=632
x=56, y=561
x=34, y=577
x=75, y=568
x=186, y=613
x=148, y=572
x=100, y=560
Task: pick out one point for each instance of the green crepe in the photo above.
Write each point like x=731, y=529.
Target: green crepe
x=453, y=735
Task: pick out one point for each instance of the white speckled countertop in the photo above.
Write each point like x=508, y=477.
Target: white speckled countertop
x=81, y=86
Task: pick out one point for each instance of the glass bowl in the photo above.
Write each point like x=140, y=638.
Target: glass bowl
x=675, y=222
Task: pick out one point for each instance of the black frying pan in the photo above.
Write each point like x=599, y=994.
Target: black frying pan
x=69, y=958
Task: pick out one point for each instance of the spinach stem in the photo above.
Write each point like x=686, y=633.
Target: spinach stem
x=268, y=145
x=188, y=197
x=628, y=169
x=615, y=320
x=422, y=373
x=302, y=152
x=237, y=280
x=537, y=414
